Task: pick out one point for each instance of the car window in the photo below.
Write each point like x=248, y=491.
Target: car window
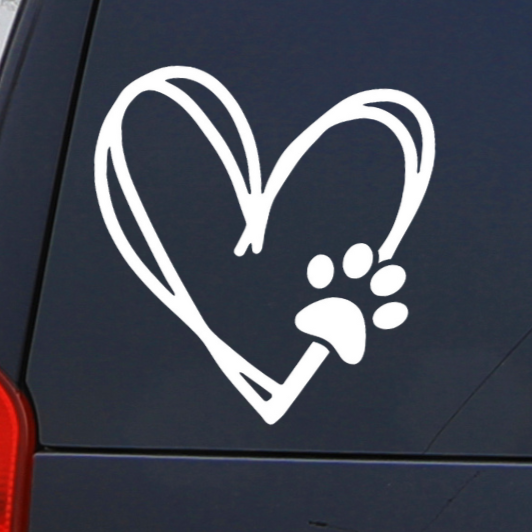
x=398, y=276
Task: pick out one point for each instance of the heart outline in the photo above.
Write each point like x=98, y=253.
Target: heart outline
x=255, y=204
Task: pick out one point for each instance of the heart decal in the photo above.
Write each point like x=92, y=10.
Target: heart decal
x=256, y=205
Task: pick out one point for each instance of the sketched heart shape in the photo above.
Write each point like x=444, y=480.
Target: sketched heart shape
x=255, y=204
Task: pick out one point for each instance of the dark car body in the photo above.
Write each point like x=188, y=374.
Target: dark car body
x=137, y=426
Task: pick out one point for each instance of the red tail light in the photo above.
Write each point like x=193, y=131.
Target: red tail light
x=17, y=443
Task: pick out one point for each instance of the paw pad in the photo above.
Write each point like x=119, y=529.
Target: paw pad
x=356, y=264
x=357, y=261
x=320, y=271
x=339, y=321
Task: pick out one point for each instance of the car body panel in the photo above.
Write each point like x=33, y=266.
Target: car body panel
x=133, y=493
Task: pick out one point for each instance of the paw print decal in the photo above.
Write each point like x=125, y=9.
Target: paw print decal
x=339, y=322
x=335, y=321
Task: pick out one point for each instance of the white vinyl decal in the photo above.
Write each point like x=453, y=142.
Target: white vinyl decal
x=337, y=321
